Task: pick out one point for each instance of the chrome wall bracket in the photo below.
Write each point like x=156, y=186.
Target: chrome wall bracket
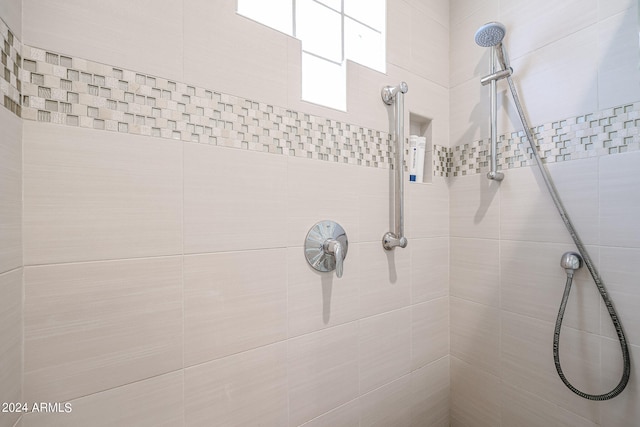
x=325, y=247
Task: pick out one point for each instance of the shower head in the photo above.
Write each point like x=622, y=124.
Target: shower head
x=490, y=34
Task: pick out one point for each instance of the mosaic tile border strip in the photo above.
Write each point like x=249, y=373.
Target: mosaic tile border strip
x=76, y=92
x=610, y=131
x=49, y=87
x=11, y=59
x=442, y=161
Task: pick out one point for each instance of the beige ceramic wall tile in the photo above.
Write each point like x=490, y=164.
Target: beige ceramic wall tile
x=145, y=36
x=318, y=300
x=253, y=56
x=10, y=343
x=532, y=283
x=427, y=210
x=461, y=9
x=320, y=191
x=475, y=334
x=389, y=405
x=532, y=26
x=10, y=191
x=11, y=14
x=429, y=332
x=469, y=112
x=429, y=42
x=623, y=410
x=154, y=402
x=564, y=69
x=437, y=10
x=375, y=203
x=398, y=38
x=99, y=195
x=385, y=279
x=247, y=388
x=233, y=302
x=385, y=349
x=475, y=396
x=474, y=206
x=467, y=59
x=93, y=326
x=520, y=408
x=619, y=207
x=475, y=270
x=347, y=415
x=233, y=199
x=429, y=269
x=620, y=273
x=323, y=371
x=576, y=182
x=430, y=394
x=527, y=362
x=527, y=211
x=618, y=65
x=607, y=8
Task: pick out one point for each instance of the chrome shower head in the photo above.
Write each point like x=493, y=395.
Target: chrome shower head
x=490, y=34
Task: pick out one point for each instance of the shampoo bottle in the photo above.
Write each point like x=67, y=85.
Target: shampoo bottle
x=413, y=157
x=421, y=145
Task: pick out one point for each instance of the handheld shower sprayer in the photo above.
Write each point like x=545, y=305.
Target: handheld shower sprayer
x=491, y=35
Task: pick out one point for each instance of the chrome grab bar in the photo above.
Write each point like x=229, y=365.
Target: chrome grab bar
x=396, y=238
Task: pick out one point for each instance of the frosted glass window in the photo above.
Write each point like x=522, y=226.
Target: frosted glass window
x=364, y=45
x=320, y=29
x=324, y=82
x=331, y=31
x=276, y=14
x=370, y=12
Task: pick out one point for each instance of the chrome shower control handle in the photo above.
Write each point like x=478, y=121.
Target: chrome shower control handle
x=325, y=247
x=334, y=248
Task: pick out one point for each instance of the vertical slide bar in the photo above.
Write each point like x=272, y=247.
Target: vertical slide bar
x=494, y=174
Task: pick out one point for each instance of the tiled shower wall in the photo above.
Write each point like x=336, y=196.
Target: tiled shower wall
x=576, y=68
x=170, y=175
x=164, y=274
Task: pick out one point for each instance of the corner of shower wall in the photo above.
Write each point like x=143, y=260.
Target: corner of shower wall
x=579, y=84
x=11, y=261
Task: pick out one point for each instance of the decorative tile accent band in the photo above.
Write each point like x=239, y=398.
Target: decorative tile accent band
x=10, y=55
x=610, y=131
x=50, y=87
x=77, y=92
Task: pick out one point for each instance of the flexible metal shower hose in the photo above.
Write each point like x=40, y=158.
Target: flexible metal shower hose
x=626, y=371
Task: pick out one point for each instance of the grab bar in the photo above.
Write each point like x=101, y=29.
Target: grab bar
x=396, y=238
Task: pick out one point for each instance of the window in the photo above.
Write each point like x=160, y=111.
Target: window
x=331, y=31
